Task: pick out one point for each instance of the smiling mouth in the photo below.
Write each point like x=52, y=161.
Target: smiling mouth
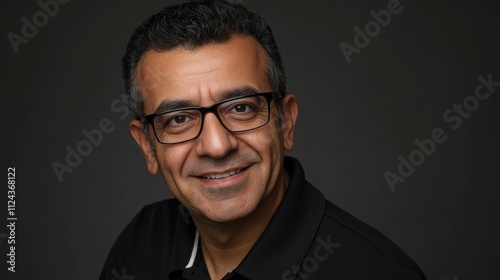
x=221, y=175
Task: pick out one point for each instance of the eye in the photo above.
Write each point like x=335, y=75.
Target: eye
x=242, y=108
x=178, y=120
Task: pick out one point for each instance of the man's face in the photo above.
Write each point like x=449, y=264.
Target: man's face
x=248, y=165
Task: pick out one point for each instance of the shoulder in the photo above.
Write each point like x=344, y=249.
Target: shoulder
x=363, y=250
x=156, y=220
x=145, y=243
x=354, y=229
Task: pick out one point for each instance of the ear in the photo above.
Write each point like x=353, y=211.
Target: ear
x=137, y=131
x=290, y=113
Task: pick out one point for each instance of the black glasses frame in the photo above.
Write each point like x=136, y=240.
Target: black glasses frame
x=270, y=96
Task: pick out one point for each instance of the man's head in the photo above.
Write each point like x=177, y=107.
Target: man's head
x=198, y=55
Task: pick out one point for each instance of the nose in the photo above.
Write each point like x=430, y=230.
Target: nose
x=215, y=141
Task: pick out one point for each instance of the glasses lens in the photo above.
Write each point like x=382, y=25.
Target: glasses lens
x=244, y=113
x=177, y=126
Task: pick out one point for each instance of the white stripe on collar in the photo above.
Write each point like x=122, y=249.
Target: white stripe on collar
x=194, y=251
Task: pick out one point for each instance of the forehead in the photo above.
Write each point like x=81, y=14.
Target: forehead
x=201, y=75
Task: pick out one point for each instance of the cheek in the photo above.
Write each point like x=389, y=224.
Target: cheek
x=172, y=160
x=267, y=142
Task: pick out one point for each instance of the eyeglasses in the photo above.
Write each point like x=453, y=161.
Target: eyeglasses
x=237, y=114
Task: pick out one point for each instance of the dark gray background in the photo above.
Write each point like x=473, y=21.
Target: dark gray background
x=355, y=120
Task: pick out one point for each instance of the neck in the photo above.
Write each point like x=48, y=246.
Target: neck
x=224, y=245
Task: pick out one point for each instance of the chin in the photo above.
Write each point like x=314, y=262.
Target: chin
x=228, y=211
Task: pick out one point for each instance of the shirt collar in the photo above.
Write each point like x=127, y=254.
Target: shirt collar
x=183, y=248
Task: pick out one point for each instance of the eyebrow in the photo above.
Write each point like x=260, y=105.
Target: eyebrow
x=169, y=105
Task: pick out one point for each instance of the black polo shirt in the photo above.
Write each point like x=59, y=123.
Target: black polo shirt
x=307, y=238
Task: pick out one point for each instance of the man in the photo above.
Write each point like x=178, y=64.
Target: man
x=212, y=115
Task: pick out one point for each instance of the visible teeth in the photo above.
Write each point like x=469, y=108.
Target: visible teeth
x=222, y=175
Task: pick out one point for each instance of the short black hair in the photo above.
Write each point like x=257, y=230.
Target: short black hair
x=194, y=24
